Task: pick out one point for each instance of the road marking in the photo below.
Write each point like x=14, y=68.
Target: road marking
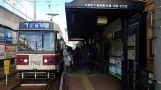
x=87, y=83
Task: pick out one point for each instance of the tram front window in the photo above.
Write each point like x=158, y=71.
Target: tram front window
x=36, y=41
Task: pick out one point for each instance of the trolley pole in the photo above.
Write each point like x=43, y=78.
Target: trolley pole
x=157, y=43
x=34, y=9
x=52, y=15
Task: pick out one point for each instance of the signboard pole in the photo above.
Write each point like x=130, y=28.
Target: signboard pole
x=6, y=79
x=6, y=69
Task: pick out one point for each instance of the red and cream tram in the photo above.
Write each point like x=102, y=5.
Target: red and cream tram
x=38, y=54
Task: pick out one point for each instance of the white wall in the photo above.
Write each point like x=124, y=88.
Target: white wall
x=113, y=27
x=9, y=19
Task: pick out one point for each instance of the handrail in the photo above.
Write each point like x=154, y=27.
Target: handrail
x=61, y=81
x=64, y=80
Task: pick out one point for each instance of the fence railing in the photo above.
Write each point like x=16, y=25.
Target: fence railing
x=64, y=80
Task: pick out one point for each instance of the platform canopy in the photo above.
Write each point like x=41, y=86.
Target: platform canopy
x=82, y=15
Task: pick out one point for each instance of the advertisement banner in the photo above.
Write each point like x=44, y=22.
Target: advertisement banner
x=10, y=51
x=8, y=36
x=112, y=60
x=14, y=34
x=118, y=62
x=10, y=54
x=2, y=52
x=2, y=40
x=112, y=70
x=10, y=48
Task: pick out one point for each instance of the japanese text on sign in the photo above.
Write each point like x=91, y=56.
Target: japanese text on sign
x=107, y=5
x=10, y=48
x=36, y=25
x=6, y=66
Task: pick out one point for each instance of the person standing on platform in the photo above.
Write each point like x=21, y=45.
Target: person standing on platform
x=70, y=58
x=84, y=57
x=77, y=58
x=65, y=58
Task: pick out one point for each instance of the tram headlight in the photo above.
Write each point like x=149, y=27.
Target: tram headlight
x=45, y=60
x=25, y=60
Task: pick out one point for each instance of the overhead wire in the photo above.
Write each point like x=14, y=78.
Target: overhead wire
x=56, y=4
x=19, y=3
x=42, y=2
x=49, y=5
x=17, y=10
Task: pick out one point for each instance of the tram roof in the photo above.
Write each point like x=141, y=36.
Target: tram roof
x=82, y=15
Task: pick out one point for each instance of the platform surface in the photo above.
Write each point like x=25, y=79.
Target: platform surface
x=83, y=81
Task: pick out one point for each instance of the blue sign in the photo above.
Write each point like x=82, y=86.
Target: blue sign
x=36, y=25
x=8, y=36
x=2, y=35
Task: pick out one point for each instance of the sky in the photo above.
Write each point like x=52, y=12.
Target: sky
x=42, y=8
x=25, y=7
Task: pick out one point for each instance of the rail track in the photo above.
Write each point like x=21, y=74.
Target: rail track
x=28, y=84
x=12, y=72
x=52, y=84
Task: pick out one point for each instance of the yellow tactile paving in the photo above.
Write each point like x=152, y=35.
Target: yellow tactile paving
x=87, y=83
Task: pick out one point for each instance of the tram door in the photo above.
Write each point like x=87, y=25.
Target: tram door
x=136, y=50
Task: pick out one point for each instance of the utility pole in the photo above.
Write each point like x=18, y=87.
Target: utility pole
x=157, y=43
x=34, y=9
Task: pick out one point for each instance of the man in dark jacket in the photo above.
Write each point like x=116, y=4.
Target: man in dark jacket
x=85, y=52
x=77, y=57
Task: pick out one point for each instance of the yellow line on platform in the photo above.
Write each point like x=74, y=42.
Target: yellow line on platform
x=87, y=83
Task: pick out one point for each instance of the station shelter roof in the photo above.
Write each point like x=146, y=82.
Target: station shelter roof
x=82, y=15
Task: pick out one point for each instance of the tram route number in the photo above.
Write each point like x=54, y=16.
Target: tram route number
x=35, y=63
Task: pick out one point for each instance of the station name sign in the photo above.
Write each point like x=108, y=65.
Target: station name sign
x=36, y=25
x=123, y=6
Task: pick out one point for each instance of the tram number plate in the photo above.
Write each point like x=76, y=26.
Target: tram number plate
x=35, y=63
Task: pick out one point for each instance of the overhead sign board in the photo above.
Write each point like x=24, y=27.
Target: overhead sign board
x=107, y=6
x=36, y=25
x=112, y=5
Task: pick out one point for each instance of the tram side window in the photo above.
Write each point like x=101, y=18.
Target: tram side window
x=36, y=41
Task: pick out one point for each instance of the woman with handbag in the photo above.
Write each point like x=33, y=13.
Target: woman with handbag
x=66, y=59
x=70, y=58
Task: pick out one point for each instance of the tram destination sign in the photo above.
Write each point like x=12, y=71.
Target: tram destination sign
x=36, y=25
x=112, y=6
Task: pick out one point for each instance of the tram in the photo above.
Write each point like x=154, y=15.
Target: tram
x=38, y=55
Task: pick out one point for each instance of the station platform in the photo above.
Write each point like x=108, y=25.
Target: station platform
x=83, y=81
